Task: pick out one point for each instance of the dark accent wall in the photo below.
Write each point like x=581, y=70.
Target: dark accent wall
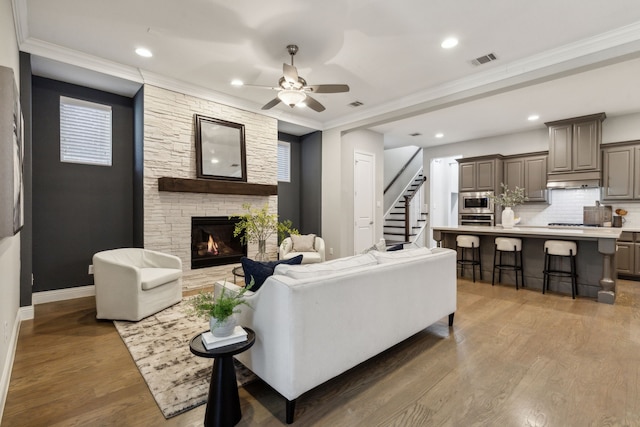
x=311, y=184
x=78, y=210
x=26, y=234
x=289, y=192
x=138, y=169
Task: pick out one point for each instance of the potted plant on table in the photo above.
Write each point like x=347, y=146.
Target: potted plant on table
x=220, y=310
x=509, y=199
x=257, y=225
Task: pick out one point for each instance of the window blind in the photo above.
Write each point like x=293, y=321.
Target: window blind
x=85, y=132
x=284, y=161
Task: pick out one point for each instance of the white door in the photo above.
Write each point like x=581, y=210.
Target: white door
x=363, y=201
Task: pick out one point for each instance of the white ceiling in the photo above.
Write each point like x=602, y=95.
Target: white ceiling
x=558, y=59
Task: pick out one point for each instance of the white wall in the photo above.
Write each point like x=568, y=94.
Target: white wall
x=337, y=186
x=394, y=159
x=10, y=246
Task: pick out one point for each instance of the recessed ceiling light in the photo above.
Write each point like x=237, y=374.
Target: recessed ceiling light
x=533, y=117
x=142, y=51
x=439, y=135
x=450, y=42
x=237, y=82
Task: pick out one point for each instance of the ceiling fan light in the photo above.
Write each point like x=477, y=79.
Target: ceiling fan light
x=291, y=97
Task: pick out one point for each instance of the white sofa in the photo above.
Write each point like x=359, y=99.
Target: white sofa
x=314, y=322
x=133, y=283
x=287, y=251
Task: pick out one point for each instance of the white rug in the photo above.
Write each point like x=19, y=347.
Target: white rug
x=159, y=345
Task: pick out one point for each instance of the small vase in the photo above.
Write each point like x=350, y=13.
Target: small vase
x=508, y=220
x=223, y=329
x=262, y=251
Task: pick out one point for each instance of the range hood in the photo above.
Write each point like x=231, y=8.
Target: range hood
x=574, y=180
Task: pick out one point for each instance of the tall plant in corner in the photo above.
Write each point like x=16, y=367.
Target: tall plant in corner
x=256, y=225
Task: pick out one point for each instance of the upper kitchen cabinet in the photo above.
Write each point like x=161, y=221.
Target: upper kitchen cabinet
x=480, y=173
x=528, y=171
x=620, y=181
x=574, y=150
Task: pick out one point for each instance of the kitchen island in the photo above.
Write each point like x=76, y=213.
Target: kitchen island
x=595, y=259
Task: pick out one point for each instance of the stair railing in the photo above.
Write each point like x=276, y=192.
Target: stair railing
x=412, y=220
x=406, y=165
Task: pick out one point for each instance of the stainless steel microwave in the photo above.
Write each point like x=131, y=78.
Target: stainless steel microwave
x=475, y=203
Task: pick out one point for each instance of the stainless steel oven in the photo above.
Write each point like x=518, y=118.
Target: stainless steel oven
x=487, y=220
x=475, y=203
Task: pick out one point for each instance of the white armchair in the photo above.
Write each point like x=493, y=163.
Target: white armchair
x=133, y=283
x=310, y=255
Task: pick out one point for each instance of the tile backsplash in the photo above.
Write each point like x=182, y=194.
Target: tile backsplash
x=566, y=206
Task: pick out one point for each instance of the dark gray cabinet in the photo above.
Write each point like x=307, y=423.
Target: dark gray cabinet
x=528, y=171
x=574, y=149
x=628, y=254
x=620, y=180
x=480, y=173
x=574, y=144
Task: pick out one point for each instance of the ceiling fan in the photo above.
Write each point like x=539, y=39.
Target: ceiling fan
x=293, y=89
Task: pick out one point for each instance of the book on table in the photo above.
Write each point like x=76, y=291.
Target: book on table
x=210, y=341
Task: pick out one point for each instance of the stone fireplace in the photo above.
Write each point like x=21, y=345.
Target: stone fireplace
x=169, y=151
x=213, y=242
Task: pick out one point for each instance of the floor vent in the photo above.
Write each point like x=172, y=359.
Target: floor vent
x=484, y=59
x=355, y=104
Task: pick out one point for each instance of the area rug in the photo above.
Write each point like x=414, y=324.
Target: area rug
x=159, y=345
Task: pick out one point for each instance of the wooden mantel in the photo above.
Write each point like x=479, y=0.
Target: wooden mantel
x=214, y=186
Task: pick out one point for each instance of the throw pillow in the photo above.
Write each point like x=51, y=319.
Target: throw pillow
x=303, y=243
x=261, y=270
x=398, y=247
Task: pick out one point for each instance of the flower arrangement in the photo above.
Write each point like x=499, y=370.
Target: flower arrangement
x=509, y=198
x=257, y=225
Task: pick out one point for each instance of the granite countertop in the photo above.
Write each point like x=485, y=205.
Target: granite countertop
x=573, y=232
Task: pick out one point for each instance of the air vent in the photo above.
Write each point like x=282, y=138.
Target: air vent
x=484, y=59
x=415, y=134
x=355, y=104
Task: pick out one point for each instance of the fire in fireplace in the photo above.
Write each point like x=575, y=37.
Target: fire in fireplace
x=213, y=243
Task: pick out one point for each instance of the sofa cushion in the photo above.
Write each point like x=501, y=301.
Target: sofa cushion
x=153, y=277
x=307, y=257
x=261, y=270
x=303, y=243
x=386, y=257
x=325, y=268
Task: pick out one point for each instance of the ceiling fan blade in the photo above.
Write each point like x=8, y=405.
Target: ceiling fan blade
x=290, y=73
x=262, y=87
x=275, y=101
x=313, y=104
x=328, y=88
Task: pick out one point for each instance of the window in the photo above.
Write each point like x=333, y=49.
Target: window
x=85, y=132
x=284, y=161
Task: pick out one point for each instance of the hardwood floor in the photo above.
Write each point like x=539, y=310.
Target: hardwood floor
x=512, y=358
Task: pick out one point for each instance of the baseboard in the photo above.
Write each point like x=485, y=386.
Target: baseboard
x=8, y=365
x=63, y=294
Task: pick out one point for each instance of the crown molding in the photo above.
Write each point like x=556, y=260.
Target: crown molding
x=20, y=20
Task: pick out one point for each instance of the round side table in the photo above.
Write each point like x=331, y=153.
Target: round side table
x=237, y=272
x=223, y=403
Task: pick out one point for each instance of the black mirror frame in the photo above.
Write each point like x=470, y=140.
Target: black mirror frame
x=199, y=119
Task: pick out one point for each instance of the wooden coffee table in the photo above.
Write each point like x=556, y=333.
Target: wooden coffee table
x=223, y=403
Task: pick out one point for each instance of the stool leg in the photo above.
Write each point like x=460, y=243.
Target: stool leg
x=500, y=269
x=545, y=272
x=573, y=274
x=473, y=263
x=515, y=264
x=493, y=275
x=462, y=263
x=521, y=269
x=479, y=262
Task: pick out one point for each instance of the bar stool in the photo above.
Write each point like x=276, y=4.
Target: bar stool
x=514, y=246
x=465, y=243
x=562, y=249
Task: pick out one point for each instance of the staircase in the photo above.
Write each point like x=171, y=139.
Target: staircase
x=394, y=227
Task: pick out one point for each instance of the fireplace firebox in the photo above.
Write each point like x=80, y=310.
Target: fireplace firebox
x=213, y=243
